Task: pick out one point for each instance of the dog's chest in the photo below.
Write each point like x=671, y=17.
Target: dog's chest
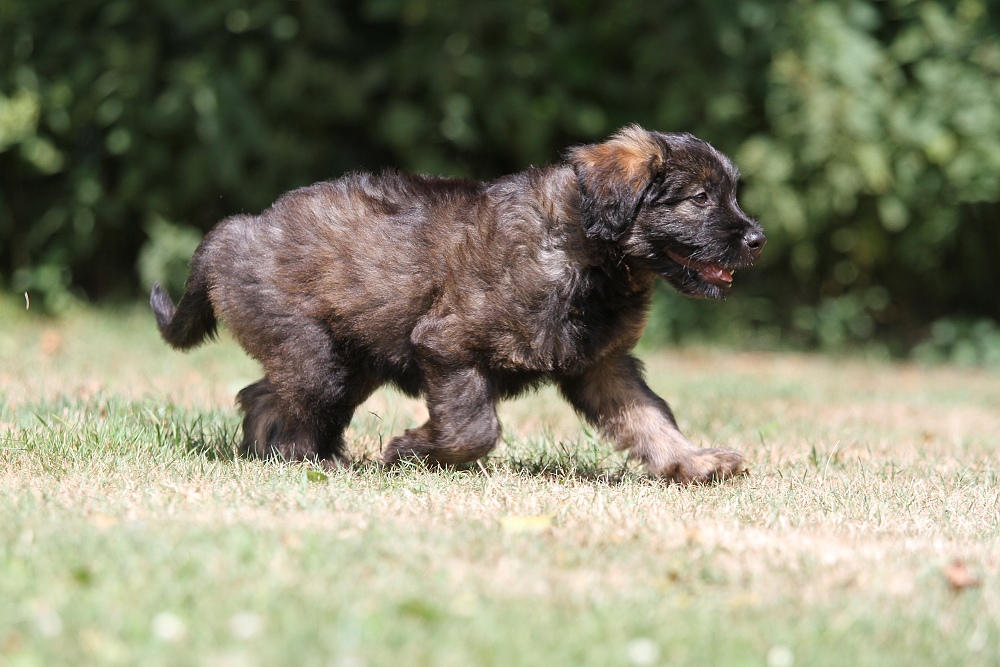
x=583, y=315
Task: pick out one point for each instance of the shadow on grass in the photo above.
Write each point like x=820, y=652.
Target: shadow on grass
x=562, y=469
x=586, y=461
x=555, y=469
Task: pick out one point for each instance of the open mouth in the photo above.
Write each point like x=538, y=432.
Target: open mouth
x=713, y=274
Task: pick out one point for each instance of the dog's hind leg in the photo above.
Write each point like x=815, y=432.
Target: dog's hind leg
x=463, y=424
x=301, y=409
x=614, y=397
x=276, y=427
x=271, y=429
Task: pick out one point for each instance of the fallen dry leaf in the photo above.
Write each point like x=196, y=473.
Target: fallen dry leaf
x=50, y=343
x=958, y=575
x=103, y=522
x=525, y=524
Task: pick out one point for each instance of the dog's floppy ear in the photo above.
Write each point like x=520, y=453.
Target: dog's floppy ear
x=613, y=178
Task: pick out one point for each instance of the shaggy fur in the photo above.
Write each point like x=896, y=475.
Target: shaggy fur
x=468, y=293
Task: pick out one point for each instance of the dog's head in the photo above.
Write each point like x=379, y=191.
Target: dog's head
x=669, y=202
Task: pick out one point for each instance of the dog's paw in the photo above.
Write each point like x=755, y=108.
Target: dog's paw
x=706, y=466
x=406, y=447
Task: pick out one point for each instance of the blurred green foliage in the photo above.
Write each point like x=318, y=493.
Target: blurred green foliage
x=868, y=133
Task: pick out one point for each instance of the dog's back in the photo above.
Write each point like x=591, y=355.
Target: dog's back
x=359, y=254
x=371, y=255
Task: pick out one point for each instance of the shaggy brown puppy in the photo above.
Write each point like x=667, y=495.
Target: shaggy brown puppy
x=468, y=293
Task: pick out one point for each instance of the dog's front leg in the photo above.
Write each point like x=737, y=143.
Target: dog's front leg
x=614, y=397
x=463, y=424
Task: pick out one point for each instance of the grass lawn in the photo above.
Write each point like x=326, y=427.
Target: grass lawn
x=129, y=535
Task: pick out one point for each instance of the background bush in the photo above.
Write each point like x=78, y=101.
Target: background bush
x=868, y=134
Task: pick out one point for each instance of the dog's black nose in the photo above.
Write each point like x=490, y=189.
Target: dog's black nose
x=754, y=240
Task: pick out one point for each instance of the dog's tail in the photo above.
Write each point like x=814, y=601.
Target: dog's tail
x=192, y=320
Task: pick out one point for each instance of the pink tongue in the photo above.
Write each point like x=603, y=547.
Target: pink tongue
x=717, y=275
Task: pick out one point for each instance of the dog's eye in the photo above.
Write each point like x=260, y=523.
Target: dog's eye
x=701, y=198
